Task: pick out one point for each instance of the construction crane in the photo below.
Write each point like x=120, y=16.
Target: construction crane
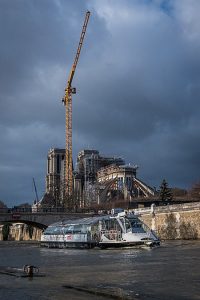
x=67, y=101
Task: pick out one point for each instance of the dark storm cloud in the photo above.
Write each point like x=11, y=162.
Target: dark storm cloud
x=138, y=84
x=148, y=89
x=36, y=48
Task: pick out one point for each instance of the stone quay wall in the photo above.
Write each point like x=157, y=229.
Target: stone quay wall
x=181, y=221
x=20, y=232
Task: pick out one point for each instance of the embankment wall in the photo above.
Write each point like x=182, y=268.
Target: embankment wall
x=174, y=221
x=20, y=232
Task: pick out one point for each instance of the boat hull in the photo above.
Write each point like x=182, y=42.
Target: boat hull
x=62, y=245
x=128, y=244
x=104, y=245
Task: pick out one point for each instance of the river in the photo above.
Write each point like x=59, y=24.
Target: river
x=171, y=271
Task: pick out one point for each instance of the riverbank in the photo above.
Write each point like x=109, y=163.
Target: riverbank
x=19, y=232
x=19, y=243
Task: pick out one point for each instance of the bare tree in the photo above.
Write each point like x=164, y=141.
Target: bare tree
x=194, y=192
x=178, y=192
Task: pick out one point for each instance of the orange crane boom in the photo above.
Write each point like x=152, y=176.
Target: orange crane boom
x=67, y=100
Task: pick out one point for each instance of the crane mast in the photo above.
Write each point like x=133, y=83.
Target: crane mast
x=67, y=100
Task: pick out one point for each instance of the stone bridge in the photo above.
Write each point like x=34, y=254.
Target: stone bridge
x=39, y=219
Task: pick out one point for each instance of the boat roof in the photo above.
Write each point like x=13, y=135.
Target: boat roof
x=82, y=221
x=89, y=220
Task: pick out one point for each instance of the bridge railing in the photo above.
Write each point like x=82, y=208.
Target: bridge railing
x=43, y=210
x=169, y=208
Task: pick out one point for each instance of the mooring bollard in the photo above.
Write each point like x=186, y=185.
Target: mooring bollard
x=30, y=270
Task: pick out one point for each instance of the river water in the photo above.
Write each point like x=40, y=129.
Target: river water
x=171, y=271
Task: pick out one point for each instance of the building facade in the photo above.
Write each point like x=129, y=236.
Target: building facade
x=96, y=178
x=55, y=172
x=90, y=161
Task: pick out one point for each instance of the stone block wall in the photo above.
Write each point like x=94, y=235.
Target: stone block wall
x=21, y=232
x=174, y=225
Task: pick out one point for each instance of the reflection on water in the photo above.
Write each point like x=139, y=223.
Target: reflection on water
x=168, y=272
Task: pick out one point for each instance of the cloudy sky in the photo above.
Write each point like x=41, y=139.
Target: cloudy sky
x=138, y=87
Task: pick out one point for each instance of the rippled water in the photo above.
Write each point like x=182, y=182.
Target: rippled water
x=171, y=271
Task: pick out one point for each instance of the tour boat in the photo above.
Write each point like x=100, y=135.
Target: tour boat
x=123, y=229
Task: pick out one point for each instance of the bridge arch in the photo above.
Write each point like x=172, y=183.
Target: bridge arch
x=27, y=222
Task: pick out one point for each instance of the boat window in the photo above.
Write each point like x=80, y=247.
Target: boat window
x=111, y=224
x=53, y=230
x=84, y=228
x=137, y=226
x=48, y=231
x=68, y=229
x=127, y=224
x=57, y=230
x=79, y=228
